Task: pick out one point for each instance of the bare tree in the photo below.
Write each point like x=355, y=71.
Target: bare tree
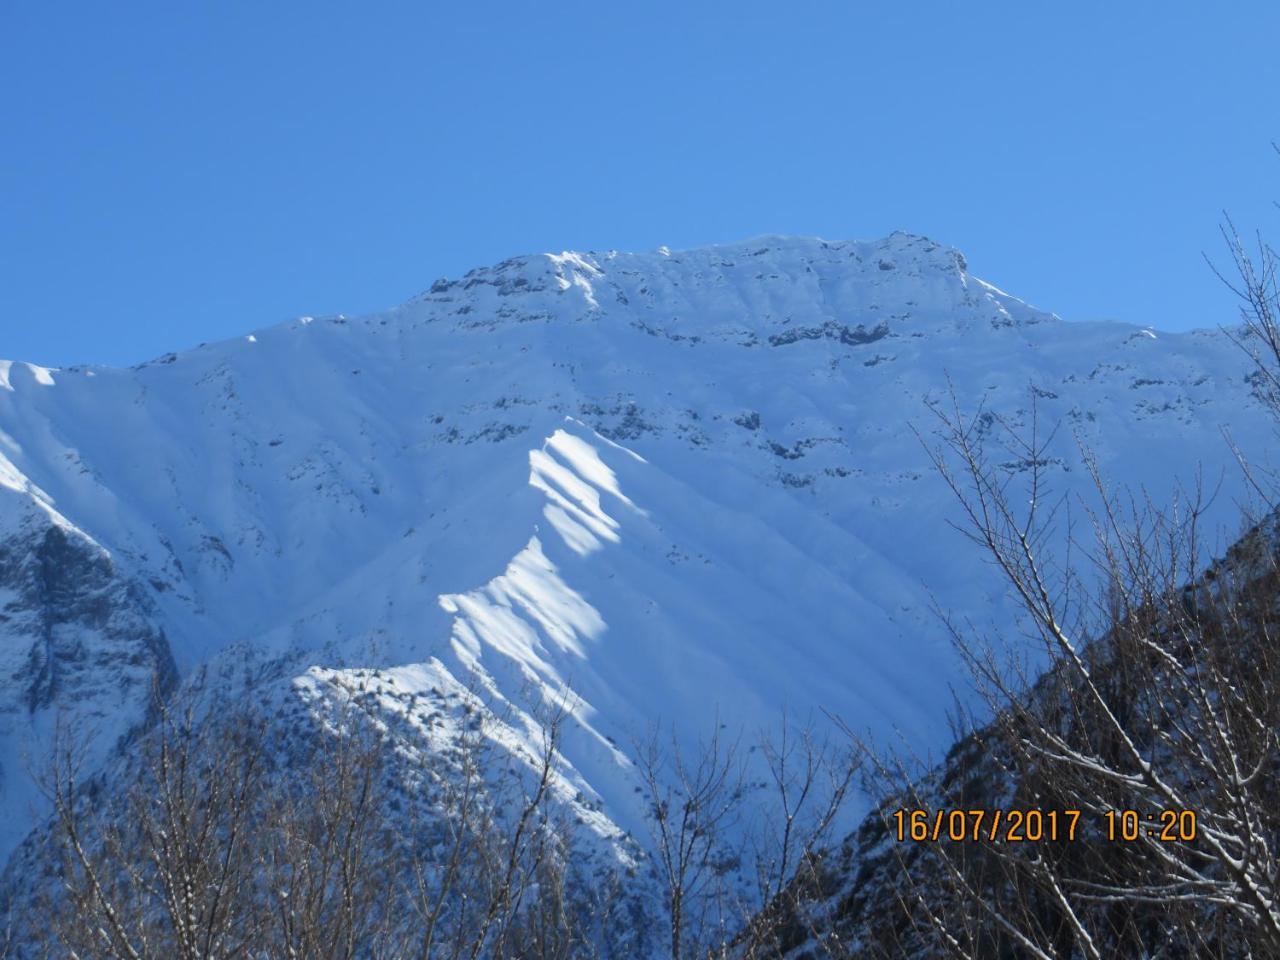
x=740, y=861
x=1156, y=723
x=1255, y=281
x=793, y=816
x=324, y=851
x=694, y=803
x=164, y=870
x=346, y=844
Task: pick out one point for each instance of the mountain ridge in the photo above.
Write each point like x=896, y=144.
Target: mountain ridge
x=676, y=483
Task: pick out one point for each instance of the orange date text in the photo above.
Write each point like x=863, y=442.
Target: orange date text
x=993, y=826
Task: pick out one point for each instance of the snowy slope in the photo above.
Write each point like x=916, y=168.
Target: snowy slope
x=682, y=485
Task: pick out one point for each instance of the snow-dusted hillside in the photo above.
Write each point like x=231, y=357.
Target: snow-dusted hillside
x=682, y=484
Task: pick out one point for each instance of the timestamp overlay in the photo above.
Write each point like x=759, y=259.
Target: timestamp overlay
x=1033, y=825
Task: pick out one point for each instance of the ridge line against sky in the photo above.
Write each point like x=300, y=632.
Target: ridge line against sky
x=178, y=175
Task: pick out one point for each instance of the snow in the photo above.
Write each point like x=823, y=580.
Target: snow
x=571, y=483
x=514, y=612
x=42, y=376
x=682, y=484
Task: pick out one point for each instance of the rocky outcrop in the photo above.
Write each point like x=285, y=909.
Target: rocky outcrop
x=80, y=652
x=82, y=631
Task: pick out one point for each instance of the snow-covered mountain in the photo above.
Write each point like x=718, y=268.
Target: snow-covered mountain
x=683, y=485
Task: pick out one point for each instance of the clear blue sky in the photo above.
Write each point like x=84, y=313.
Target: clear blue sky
x=178, y=172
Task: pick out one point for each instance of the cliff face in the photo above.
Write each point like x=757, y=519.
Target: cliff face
x=89, y=630
x=82, y=652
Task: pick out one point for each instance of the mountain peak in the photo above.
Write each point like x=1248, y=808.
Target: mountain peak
x=741, y=290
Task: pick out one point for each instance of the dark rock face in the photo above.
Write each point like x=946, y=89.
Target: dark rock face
x=81, y=655
x=82, y=630
x=849, y=336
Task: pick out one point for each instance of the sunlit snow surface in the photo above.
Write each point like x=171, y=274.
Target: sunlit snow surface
x=681, y=485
